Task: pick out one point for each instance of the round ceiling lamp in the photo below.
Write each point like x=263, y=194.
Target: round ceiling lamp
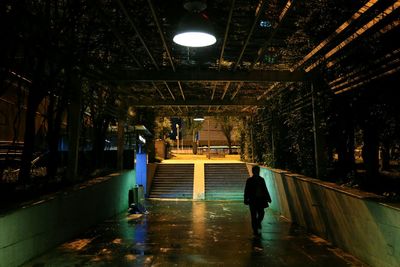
x=195, y=29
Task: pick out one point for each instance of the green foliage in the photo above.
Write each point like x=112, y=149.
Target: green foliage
x=229, y=127
x=146, y=116
x=280, y=135
x=191, y=126
x=162, y=128
x=244, y=139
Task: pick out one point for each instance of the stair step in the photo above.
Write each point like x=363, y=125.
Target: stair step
x=173, y=181
x=176, y=183
x=172, y=196
x=222, y=181
x=225, y=182
x=172, y=189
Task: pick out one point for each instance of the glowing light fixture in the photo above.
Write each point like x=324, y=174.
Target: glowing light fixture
x=198, y=119
x=195, y=29
x=142, y=139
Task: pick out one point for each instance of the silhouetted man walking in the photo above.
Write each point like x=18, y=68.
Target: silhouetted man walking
x=256, y=195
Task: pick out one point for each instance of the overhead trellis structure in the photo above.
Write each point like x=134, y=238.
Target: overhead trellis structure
x=263, y=47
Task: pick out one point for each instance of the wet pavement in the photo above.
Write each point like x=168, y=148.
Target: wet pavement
x=195, y=233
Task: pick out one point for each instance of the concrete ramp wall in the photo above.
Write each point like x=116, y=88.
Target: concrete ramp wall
x=36, y=227
x=358, y=222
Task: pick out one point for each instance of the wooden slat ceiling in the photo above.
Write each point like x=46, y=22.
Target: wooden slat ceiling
x=348, y=43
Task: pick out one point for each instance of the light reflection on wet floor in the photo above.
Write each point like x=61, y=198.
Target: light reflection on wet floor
x=186, y=233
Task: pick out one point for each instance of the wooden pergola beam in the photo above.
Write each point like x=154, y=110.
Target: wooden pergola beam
x=211, y=76
x=195, y=102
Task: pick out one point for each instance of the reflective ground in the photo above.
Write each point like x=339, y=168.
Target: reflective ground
x=198, y=233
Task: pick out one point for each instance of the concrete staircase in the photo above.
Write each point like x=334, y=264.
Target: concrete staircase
x=225, y=181
x=173, y=181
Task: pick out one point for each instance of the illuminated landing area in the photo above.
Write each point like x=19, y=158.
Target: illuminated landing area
x=190, y=158
x=195, y=233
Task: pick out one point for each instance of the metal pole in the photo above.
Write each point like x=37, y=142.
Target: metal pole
x=273, y=145
x=315, y=133
x=177, y=136
x=209, y=147
x=252, y=143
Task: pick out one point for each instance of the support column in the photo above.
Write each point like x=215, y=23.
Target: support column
x=252, y=142
x=209, y=147
x=319, y=153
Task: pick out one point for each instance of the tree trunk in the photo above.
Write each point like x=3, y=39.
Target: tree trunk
x=120, y=149
x=74, y=123
x=98, y=145
x=50, y=137
x=34, y=100
x=370, y=154
x=229, y=146
x=385, y=156
x=345, y=144
x=345, y=151
x=54, y=127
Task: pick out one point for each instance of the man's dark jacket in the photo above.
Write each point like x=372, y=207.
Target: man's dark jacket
x=256, y=192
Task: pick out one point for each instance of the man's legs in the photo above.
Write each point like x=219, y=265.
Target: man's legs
x=254, y=219
x=260, y=216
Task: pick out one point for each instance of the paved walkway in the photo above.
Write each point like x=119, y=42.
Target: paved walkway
x=195, y=233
